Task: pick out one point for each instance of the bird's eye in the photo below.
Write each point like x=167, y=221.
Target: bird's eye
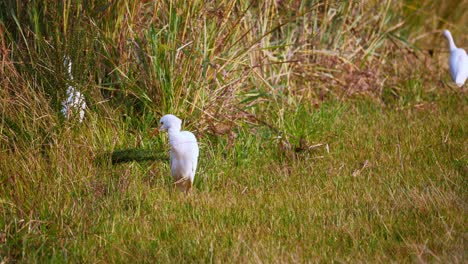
x=162, y=123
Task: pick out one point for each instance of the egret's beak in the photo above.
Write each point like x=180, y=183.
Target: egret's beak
x=156, y=131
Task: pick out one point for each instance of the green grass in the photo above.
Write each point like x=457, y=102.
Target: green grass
x=326, y=132
x=391, y=187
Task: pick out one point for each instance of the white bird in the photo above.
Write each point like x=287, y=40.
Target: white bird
x=184, y=152
x=75, y=102
x=458, y=61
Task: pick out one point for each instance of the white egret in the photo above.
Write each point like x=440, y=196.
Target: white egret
x=75, y=102
x=184, y=152
x=458, y=61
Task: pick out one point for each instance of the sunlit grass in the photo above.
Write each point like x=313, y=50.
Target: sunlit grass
x=325, y=135
x=390, y=187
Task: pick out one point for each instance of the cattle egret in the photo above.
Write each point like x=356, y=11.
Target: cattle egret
x=75, y=102
x=184, y=152
x=458, y=61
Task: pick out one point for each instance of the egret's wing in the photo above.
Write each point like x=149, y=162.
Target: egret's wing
x=194, y=150
x=454, y=60
x=195, y=159
x=462, y=68
x=459, y=65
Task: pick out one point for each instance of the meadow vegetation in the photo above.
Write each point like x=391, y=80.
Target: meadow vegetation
x=328, y=131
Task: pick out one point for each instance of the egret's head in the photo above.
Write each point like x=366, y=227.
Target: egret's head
x=447, y=34
x=170, y=122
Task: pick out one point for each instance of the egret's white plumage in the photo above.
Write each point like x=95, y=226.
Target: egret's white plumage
x=75, y=102
x=458, y=61
x=184, y=152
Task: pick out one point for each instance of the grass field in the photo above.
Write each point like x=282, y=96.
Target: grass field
x=328, y=131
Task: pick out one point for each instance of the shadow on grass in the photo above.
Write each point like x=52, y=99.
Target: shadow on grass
x=128, y=155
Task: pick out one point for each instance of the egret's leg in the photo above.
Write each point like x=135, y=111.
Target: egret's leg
x=188, y=185
x=181, y=184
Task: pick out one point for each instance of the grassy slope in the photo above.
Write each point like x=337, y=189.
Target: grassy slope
x=363, y=156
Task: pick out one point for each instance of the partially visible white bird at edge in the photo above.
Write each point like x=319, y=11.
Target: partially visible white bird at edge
x=184, y=152
x=75, y=102
x=458, y=61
